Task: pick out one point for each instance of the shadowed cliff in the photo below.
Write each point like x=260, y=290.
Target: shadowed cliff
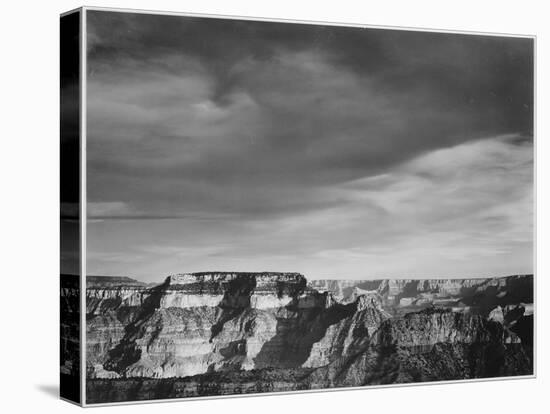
x=226, y=332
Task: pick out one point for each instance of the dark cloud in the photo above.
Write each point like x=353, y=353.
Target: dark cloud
x=486, y=73
x=239, y=122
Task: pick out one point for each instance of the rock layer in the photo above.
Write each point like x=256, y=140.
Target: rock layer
x=326, y=334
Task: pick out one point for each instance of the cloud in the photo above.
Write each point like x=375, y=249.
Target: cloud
x=455, y=212
x=334, y=151
x=295, y=123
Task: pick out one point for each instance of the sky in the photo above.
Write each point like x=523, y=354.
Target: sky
x=337, y=152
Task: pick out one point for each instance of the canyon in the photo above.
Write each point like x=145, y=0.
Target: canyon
x=212, y=333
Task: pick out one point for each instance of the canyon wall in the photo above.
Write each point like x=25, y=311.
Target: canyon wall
x=194, y=329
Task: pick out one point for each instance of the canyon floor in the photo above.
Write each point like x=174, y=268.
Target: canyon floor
x=221, y=333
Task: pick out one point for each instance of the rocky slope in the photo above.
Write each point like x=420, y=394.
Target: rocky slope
x=69, y=310
x=396, y=294
x=69, y=336
x=223, y=332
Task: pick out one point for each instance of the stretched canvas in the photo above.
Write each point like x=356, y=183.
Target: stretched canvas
x=254, y=206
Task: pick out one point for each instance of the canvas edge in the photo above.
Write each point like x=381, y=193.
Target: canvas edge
x=83, y=204
x=72, y=11
x=79, y=10
x=83, y=61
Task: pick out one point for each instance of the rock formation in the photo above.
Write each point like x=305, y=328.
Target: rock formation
x=227, y=332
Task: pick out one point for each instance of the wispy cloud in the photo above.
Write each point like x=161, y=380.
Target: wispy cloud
x=463, y=210
x=333, y=151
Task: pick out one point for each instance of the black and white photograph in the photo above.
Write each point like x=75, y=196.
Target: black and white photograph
x=281, y=206
x=247, y=207
x=275, y=207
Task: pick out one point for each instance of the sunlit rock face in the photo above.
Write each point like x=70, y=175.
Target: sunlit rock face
x=193, y=323
x=404, y=293
x=496, y=315
x=107, y=293
x=257, y=290
x=228, y=322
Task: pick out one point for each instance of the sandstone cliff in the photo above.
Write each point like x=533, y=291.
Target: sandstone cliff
x=483, y=293
x=226, y=328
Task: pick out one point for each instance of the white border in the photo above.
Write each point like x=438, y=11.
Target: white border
x=70, y=12
x=83, y=205
x=83, y=199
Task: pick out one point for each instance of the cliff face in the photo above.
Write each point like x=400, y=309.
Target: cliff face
x=195, y=328
x=69, y=310
x=191, y=324
x=410, y=293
